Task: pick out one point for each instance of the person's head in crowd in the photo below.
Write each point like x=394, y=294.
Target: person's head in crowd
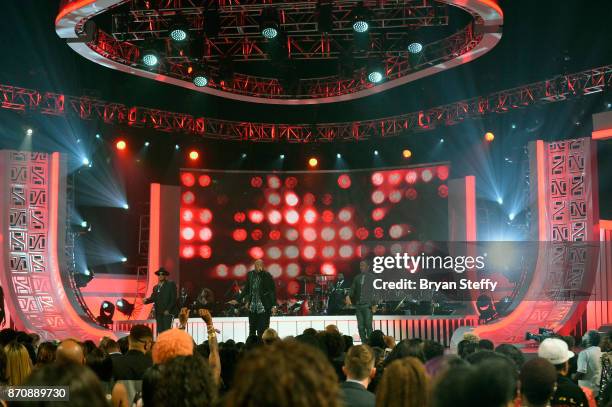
x=2, y=366
x=513, y=353
x=313, y=341
x=332, y=342
x=359, y=364
x=482, y=355
x=348, y=342
x=485, y=344
x=557, y=353
x=606, y=343
x=377, y=339
x=46, y=353
x=35, y=339
x=570, y=340
x=404, y=383
x=103, y=343
x=466, y=348
x=7, y=335
x=538, y=380
x=591, y=338
x=187, y=381
x=439, y=365
x=389, y=341
x=229, y=361
x=252, y=342
x=18, y=363
x=140, y=338
x=124, y=344
x=100, y=364
x=332, y=329
x=407, y=347
x=152, y=379
x=203, y=349
x=269, y=336
x=172, y=343
x=432, y=349
x=379, y=356
x=111, y=347
x=287, y=373
x=310, y=331
x=451, y=389
x=471, y=337
x=89, y=346
x=70, y=351
x=85, y=388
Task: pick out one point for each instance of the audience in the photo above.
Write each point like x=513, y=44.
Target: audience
x=70, y=351
x=46, y=353
x=588, y=370
x=269, y=336
x=18, y=364
x=170, y=344
x=403, y=384
x=132, y=365
x=359, y=370
x=605, y=384
x=538, y=382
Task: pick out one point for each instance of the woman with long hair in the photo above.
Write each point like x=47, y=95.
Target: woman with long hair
x=404, y=384
x=18, y=363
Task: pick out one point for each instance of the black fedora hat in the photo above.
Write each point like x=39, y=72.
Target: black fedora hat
x=162, y=272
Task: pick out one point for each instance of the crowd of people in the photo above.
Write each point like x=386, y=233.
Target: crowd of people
x=315, y=368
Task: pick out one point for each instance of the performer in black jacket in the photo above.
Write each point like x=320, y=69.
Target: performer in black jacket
x=164, y=298
x=361, y=296
x=260, y=295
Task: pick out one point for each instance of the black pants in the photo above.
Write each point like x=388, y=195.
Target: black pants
x=364, y=321
x=258, y=323
x=164, y=322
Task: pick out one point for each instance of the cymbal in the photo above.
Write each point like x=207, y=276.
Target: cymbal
x=305, y=278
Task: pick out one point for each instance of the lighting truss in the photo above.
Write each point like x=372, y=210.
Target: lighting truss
x=557, y=89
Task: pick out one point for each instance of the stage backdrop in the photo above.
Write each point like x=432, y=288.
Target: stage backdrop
x=302, y=223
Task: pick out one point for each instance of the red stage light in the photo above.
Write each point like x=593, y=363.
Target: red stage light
x=291, y=252
x=379, y=250
x=204, y=180
x=395, y=178
x=411, y=194
x=489, y=136
x=292, y=216
x=221, y=270
x=274, y=252
x=362, y=233
x=292, y=270
x=396, y=231
x=443, y=191
x=240, y=270
x=344, y=181
x=346, y=251
x=188, y=252
x=205, y=252
x=309, y=252
x=256, y=252
x=309, y=215
x=346, y=233
x=187, y=233
x=313, y=162
x=378, y=197
x=292, y=234
x=328, y=216
x=395, y=196
x=291, y=199
x=275, y=234
x=345, y=215
x=291, y=182
x=275, y=217
x=256, y=216
x=275, y=269
x=274, y=198
x=309, y=199
x=205, y=234
x=239, y=235
x=327, y=199
x=411, y=177
x=443, y=172
x=426, y=175
x=188, y=179
x=379, y=232
x=187, y=215
x=256, y=182
x=256, y=234
x=194, y=155
x=205, y=216
x=328, y=234
x=328, y=252
x=377, y=179
x=121, y=145
x=274, y=182
x=239, y=217
x=378, y=214
x=188, y=197
x=309, y=234
x=328, y=269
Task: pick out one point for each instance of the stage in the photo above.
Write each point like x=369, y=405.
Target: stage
x=438, y=328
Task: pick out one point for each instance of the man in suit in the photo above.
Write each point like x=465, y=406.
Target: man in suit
x=337, y=294
x=260, y=295
x=359, y=370
x=133, y=364
x=164, y=298
x=361, y=296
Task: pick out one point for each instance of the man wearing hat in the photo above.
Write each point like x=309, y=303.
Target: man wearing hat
x=164, y=298
x=568, y=393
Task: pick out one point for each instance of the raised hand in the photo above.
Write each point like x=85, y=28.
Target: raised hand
x=205, y=315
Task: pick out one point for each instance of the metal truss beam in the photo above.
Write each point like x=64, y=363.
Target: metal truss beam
x=556, y=89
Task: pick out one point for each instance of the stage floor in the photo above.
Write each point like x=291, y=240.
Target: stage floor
x=438, y=328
